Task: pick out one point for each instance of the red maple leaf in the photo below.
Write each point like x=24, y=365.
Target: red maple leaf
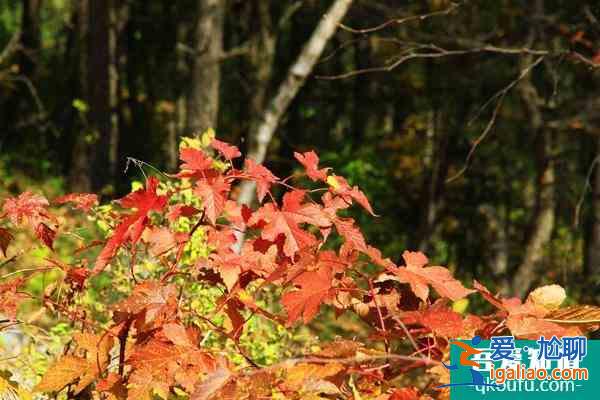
x=228, y=151
x=10, y=297
x=131, y=226
x=407, y=393
x=354, y=239
x=181, y=210
x=261, y=175
x=162, y=240
x=45, y=234
x=420, y=277
x=214, y=195
x=286, y=221
x=82, y=201
x=438, y=318
x=5, y=238
x=314, y=289
x=196, y=164
x=339, y=186
x=310, y=161
x=27, y=208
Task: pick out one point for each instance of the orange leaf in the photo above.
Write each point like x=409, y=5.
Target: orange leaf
x=64, y=372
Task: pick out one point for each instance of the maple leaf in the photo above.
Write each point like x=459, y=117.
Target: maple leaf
x=214, y=196
x=10, y=297
x=420, y=277
x=314, y=289
x=575, y=315
x=132, y=226
x=213, y=382
x=310, y=161
x=312, y=377
x=62, y=373
x=113, y=387
x=27, y=208
x=45, y=234
x=340, y=348
x=97, y=349
x=195, y=164
x=142, y=382
x=151, y=302
x=438, y=318
x=181, y=210
x=172, y=363
x=549, y=296
x=352, y=235
x=526, y=320
x=261, y=175
x=177, y=334
x=407, y=393
x=162, y=239
x=287, y=220
x=228, y=151
x=5, y=238
x=82, y=201
x=530, y=327
x=339, y=186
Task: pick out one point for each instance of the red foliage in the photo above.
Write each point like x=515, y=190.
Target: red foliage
x=286, y=245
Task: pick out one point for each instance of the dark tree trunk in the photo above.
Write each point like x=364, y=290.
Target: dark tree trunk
x=592, y=250
x=80, y=170
x=203, y=98
x=30, y=36
x=543, y=219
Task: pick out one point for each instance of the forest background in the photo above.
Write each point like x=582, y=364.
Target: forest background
x=474, y=124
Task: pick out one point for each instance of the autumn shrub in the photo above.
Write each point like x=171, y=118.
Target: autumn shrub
x=192, y=295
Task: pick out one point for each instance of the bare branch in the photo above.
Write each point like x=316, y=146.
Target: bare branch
x=500, y=98
x=399, y=21
x=586, y=187
x=433, y=51
x=11, y=47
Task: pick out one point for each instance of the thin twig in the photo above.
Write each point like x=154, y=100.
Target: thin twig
x=500, y=98
x=426, y=51
x=586, y=187
x=399, y=21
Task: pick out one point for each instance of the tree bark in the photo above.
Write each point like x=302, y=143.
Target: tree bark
x=30, y=36
x=262, y=54
x=203, y=99
x=593, y=243
x=99, y=81
x=80, y=175
x=542, y=223
x=543, y=218
x=261, y=137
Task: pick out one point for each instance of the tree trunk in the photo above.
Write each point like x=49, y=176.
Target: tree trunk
x=262, y=54
x=261, y=137
x=203, y=99
x=80, y=175
x=542, y=223
x=30, y=36
x=543, y=218
x=593, y=244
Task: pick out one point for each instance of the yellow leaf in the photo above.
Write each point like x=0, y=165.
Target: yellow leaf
x=460, y=306
x=331, y=181
x=550, y=297
x=302, y=373
x=207, y=137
